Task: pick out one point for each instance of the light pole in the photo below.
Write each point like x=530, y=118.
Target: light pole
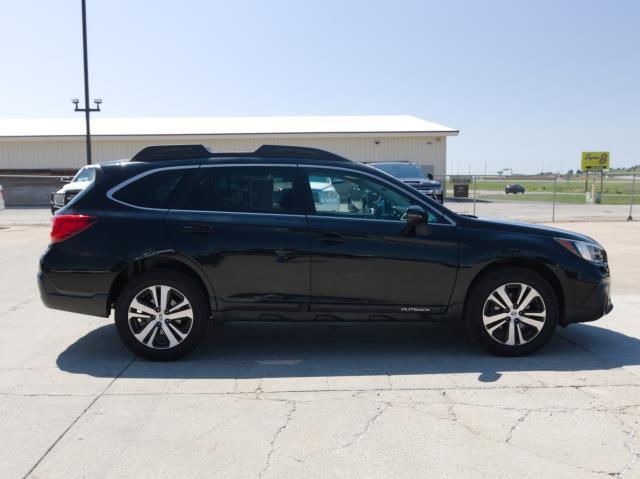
x=87, y=110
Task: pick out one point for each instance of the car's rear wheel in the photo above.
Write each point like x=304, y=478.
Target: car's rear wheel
x=512, y=312
x=161, y=315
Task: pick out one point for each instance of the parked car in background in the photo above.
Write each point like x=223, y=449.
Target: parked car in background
x=72, y=187
x=412, y=175
x=515, y=189
x=180, y=236
x=1, y=198
x=324, y=194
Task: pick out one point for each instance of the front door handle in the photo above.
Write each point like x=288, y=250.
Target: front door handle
x=198, y=228
x=330, y=238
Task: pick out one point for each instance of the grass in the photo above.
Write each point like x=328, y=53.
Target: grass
x=610, y=186
x=577, y=198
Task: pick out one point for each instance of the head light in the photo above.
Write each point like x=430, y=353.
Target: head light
x=589, y=251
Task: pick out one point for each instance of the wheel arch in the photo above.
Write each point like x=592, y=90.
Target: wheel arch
x=161, y=261
x=526, y=263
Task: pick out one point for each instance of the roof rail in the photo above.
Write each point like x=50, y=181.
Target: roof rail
x=279, y=151
x=172, y=152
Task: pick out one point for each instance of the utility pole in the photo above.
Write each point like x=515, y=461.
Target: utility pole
x=87, y=111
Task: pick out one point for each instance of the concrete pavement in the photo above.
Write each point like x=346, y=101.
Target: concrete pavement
x=320, y=400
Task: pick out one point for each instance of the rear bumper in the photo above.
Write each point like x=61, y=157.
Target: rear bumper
x=93, y=304
x=597, y=304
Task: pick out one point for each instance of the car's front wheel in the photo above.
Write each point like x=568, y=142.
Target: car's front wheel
x=512, y=312
x=161, y=315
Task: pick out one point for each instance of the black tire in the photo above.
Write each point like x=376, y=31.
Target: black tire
x=182, y=288
x=526, y=338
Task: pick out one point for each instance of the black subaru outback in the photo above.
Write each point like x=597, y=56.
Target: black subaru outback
x=180, y=236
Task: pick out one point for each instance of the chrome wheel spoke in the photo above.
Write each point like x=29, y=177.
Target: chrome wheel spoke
x=135, y=304
x=496, y=326
x=176, y=331
x=519, y=336
x=488, y=320
x=511, y=334
x=179, y=306
x=185, y=313
x=181, y=310
x=152, y=337
x=501, y=298
x=169, y=334
x=142, y=335
x=533, y=294
x=154, y=296
x=523, y=289
x=536, y=323
x=165, y=291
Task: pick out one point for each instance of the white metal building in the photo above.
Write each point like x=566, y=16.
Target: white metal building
x=43, y=144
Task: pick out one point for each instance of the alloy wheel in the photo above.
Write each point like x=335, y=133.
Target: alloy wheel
x=514, y=314
x=160, y=317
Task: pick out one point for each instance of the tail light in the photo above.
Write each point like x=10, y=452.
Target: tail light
x=64, y=227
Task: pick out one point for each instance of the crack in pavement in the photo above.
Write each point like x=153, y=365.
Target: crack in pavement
x=385, y=405
x=279, y=431
x=515, y=426
x=73, y=423
x=379, y=412
x=17, y=306
x=259, y=392
x=634, y=454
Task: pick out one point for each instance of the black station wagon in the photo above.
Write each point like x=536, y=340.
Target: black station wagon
x=179, y=237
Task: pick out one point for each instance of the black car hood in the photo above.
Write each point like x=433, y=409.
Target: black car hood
x=521, y=227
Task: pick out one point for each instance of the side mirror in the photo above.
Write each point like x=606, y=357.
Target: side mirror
x=430, y=176
x=65, y=179
x=416, y=215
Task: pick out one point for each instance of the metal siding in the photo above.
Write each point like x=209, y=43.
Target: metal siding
x=47, y=153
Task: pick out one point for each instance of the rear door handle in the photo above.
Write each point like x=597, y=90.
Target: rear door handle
x=198, y=228
x=331, y=238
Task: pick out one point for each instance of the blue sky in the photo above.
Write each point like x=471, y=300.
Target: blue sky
x=529, y=84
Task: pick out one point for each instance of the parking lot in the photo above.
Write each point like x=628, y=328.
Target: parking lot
x=321, y=400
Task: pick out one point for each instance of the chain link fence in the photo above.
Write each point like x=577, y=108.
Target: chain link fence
x=538, y=198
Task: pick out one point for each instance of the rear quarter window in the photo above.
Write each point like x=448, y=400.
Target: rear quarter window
x=153, y=190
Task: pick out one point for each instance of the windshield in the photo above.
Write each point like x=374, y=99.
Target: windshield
x=85, y=174
x=401, y=170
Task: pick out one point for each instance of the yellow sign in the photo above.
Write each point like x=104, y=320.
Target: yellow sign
x=595, y=160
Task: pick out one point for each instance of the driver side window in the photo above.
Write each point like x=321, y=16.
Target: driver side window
x=347, y=194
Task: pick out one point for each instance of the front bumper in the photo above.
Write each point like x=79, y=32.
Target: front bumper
x=92, y=304
x=597, y=304
x=439, y=197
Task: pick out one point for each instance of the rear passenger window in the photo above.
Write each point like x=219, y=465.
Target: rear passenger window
x=151, y=191
x=243, y=189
